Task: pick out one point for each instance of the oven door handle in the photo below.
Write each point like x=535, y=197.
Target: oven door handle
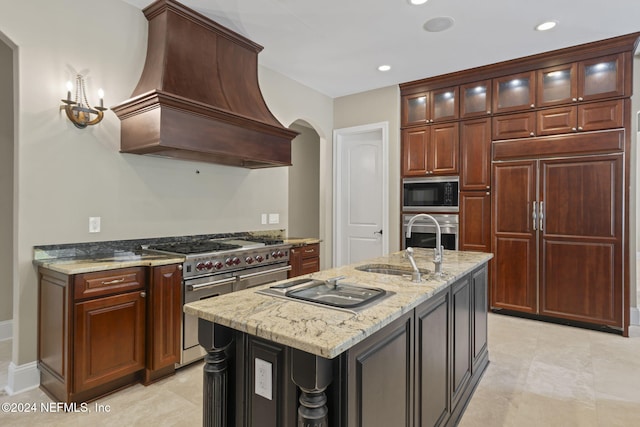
x=262, y=273
x=210, y=284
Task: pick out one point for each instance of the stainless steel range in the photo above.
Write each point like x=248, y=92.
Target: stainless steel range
x=216, y=267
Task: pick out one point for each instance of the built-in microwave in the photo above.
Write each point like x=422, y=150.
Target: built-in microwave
x=433, y=194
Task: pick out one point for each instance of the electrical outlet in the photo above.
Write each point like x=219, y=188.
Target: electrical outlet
x=94, y=224
x=274, y=218
x=263, y=379
x=264, y=219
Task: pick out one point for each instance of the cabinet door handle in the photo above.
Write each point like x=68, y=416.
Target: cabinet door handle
x=143, y=294
x=534, y=214
x=541, y=216
x=113, y=282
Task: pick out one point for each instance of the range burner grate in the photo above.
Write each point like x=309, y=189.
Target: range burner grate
x=198, y=247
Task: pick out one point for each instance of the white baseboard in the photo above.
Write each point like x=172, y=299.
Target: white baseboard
x=6, y=330
x=22, y=378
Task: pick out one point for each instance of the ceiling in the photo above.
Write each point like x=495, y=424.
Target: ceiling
x=335, y=46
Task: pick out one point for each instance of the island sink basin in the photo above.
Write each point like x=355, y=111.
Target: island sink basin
x=342, y=295
x=394, y=270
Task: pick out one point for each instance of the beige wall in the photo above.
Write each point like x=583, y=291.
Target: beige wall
x=66, y=175
x=304, y=184
x=6, y=181
x=380, y=105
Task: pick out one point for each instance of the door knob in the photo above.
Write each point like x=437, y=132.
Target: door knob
x=378, y=232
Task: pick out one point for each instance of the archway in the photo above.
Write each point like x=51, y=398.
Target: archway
x=304, y=182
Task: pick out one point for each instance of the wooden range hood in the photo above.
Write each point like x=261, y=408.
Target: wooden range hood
x=198, y=97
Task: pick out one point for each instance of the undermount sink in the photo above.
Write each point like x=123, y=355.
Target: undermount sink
x=342, y=295
x=394, y=270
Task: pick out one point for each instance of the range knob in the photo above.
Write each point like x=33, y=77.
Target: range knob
x=200, y=266
x=229, y=261
x=208, y=265
x=275, y=254
x=218, y=265
x=249, y=260
x=236, y=260
x=259, y=258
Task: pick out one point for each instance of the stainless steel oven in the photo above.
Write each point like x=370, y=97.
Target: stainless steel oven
x=423, y=232
x=432, y=194
x=212, y=268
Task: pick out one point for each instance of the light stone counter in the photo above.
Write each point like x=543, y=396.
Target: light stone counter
x=83, y=264
x=325, y=331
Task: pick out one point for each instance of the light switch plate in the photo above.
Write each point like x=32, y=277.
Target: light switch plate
x=264, y=218
x=274, y=218
x=263, y=379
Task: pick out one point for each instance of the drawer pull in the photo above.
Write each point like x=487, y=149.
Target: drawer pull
x=113, y=282
x=309, y=251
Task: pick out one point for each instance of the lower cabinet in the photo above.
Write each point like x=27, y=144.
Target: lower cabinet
x=433, y=354
x=163, y=320
x=101, y=331
x=380, y=376
x=304, y=260
x=109, y=336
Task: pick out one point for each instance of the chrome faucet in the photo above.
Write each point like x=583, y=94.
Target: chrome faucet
x=438, y=250
x=415, y=276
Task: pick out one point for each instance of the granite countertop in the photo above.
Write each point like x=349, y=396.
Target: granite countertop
x=325, y=331
x=98, y=262
x=301, y=241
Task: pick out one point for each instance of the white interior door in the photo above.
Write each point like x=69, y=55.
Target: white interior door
x=360, y=193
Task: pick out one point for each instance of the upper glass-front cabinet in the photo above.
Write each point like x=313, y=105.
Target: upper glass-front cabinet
x=583, y=81
x=475, y=99
x=601, y=78
x=557, y=85
x=428, y=107
x=514, y=92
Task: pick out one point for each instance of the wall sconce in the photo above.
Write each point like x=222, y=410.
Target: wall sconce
x=79, y=111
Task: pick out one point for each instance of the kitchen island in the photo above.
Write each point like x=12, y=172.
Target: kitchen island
x=413, y=358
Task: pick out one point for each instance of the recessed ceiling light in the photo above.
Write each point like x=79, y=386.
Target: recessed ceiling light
x=418, y=2
x=438, y=24
x=546, y=25
x=384, y=67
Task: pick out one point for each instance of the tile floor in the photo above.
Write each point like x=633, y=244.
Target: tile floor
x=540, y=374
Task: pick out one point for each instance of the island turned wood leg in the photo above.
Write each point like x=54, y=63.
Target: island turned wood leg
x=312, y=374
x=215, y=339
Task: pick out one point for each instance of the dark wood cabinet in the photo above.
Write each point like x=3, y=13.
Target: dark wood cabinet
x=475, y=221
x=429, y=107
x=514, y=92
x=480, y=307
x=91, y=332
x=518, y=125
x=475, y=155
x=304, y=259
x=603, y=77
x=104, y=330
x=461, y=355
x=430, y=150
x=582, y=118
x=380, y=377
x=164, y=316
x=108, y=339
x=514, y=243
x=569, y=209
x=560, y=120
x=560, y=104
x=433, y=400
x=475, y=99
